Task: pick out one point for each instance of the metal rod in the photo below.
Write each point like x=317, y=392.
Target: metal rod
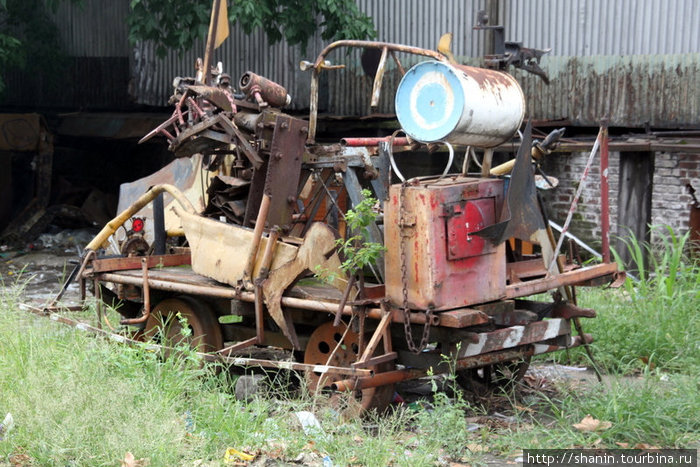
x=259, y=315
x=245, y=296
x=210, y=357
x=574, y=202
x=257, y=236
x=604, y=200
x=146, y=297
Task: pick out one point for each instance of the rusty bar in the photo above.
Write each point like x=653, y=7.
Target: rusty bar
x=317, y=66
x=238, y=346
x=269, y=253
x=344, y=300
x=604, y=200
x=379, y=78
x=402, y=70
x=257, y=236
x=146, y=297
x=231, y=294
x=122, y=264
x=235, y=361
x=359, y=142
x=379, y=379
x=377, y=45
x=259, y=315
x=522, y=289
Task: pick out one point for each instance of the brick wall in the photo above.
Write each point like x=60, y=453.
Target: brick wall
x=670, y=201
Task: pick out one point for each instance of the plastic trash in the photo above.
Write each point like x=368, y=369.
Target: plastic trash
x=6, y=426
x=327, y=462
x=232, y=456
x=309, y=422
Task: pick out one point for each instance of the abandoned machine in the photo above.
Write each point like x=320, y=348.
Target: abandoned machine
x=282, y=251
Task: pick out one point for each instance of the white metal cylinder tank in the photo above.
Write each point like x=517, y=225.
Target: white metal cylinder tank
x=438, y=101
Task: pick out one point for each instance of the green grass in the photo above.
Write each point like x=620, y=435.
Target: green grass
x=652, y=323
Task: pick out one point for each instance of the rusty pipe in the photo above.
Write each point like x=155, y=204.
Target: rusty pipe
x=269, y=253
x=319, y=62
x=604, y=196
x=379, y=379
x=112, y=226
x=257, y=236
x=146, y=297
x=291, y=302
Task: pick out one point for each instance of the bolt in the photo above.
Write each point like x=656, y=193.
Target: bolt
x=278, y=156
x=284, y=125
x=291, y=199
x=303, y=130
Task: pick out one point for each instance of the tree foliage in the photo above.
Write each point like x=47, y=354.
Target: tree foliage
x=176, y=24
x=29, y=38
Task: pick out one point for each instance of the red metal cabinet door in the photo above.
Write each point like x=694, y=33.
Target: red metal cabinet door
x=466, y=219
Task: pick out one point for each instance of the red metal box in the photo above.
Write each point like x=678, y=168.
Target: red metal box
x=447, y=266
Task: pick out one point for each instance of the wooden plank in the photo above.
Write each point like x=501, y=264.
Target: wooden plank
x=378, y=334
x=387, y=357
x=462, y=318
x=134, y=262
x=634, y=202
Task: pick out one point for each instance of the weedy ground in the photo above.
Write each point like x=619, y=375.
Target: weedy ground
x=80, y=400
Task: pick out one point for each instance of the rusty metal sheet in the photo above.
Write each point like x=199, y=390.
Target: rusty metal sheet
x=220, y=250
x=281, y=183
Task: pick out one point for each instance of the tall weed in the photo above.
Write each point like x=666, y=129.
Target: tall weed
x=652, y=322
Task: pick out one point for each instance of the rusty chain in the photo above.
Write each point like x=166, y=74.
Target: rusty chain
x=406, y=311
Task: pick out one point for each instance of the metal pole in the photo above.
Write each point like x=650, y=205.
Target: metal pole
x=604, y=199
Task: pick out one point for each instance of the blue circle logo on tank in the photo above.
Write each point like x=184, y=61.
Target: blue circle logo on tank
x=429, y=101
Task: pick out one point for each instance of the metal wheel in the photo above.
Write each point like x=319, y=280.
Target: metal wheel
x=318, y=350
x=484, y=380
x=164, y=326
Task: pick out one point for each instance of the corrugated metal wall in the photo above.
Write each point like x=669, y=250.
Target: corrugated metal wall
x=412, y=22
x=634, y=60
x=94, y=28
x=604, y=27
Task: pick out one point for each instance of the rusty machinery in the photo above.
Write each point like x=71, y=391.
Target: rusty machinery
x=454, y=280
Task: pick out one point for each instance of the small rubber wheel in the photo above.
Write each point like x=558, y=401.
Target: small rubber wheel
x=166, y=321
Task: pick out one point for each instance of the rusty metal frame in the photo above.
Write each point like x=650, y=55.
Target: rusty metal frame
x=209, y=357
x=386, y=47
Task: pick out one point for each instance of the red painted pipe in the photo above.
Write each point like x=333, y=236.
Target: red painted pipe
x=604, y=200
x=355, y=142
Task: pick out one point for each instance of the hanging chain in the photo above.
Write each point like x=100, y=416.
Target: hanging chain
x=404, y=284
